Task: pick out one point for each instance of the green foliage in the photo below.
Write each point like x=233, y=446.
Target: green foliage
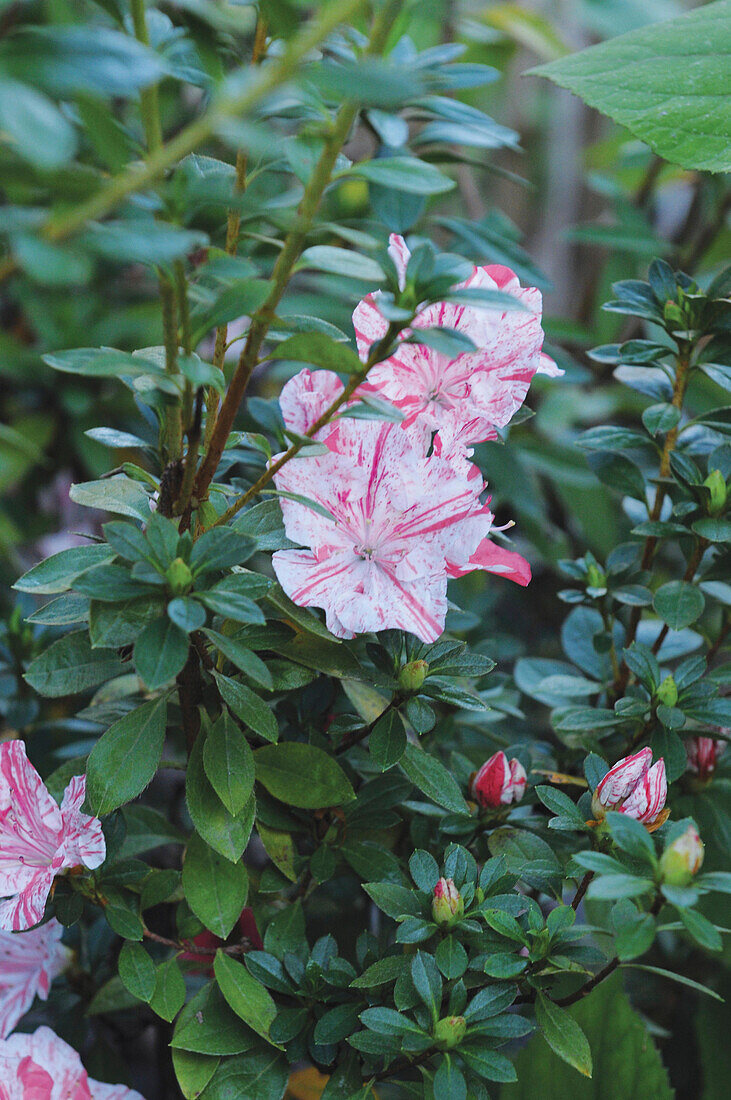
x=279, y=804
x=666, y=83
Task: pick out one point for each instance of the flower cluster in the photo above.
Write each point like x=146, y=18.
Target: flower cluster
x=634, y=788
x=43, y=1067
x=393, y=510
x=29, y=961
x=38, y=838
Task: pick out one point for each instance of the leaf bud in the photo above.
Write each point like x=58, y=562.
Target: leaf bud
x=450, y=1031
x=716, y=485
x=667, y=693
x=179, y=577
x=412, y=676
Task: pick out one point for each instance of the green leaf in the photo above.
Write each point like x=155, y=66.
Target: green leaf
x=141, y=240
x=208, y=1026
x=449, y=1082
x=404, y=174
x=341, y=261
x=424, y=870
x=387, y=742
x=432, y=778
x=219, y=548
x=242, y=657
x=393, y=900
x=125, y=758
x=626, y=1060
x=160, y=652
x=667, y=83
x=137, y=971
x=57, y=573
x=115, y=494
x=678, y=604
x=701, y=929
x=302, y=775
x=715, y=529
x=260, y=1074
x=248, y=707
x=101, y=363
x=169, y=995
x=563, y=1035
x=381, y=972
x=320, y=350
x=451, y=958
x=229, y=763
x=680, y=978
x=193, y=1071
x=70, y=665
x=221, y=831
x=215, y=888
x=186, y=613
x=36, y=127
x=249, y=999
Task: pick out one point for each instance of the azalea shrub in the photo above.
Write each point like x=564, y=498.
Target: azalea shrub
x=341, y=759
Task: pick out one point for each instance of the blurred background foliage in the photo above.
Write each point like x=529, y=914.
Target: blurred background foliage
x=559, y=193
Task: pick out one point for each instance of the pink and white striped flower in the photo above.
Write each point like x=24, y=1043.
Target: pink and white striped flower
x=468, y=397
x=633, y=788
x=703, y=754
x=29, y=961
x=499, y=782
x=43, y=1067
x=391, y=524
x=38, y=838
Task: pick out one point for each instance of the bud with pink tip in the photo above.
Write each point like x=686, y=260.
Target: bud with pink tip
x=682, y=859
x=703, y=754
x=447, y=905
x=633, y=788
x=498, y=782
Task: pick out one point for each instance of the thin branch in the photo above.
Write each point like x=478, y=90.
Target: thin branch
x=287, y=258
x=585, y=990
x=583, y=887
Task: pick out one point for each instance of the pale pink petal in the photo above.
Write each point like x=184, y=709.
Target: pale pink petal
x=83, y=840
x=369, y=324
x=30, y=820
x=496, y=559
x=29, y=961
x=27, y=907
x=100, y=1091
x=648, y=798
x=400, y=254
x=307, y=396
x=41, y=1067
x=518, y=781
x=622, y=779
x=548, y=367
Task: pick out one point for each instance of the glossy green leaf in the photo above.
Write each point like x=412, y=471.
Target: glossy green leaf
x=124, y=760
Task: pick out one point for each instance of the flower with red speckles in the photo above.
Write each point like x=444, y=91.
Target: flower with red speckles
x=388, y=524
x=633, y=788
x=38, y=838
x=43, y=1067
x=29, y=961
x=703, y=754
x=498, y=782
x=468, y=397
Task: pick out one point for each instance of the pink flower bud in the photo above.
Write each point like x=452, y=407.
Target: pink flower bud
x=682, y=859
x=703, y=754
x=634, y=788
x=447, y=904
x=498, y=782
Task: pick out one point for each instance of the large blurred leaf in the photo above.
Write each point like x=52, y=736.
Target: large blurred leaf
x=667, y=83
x=626, y=1063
